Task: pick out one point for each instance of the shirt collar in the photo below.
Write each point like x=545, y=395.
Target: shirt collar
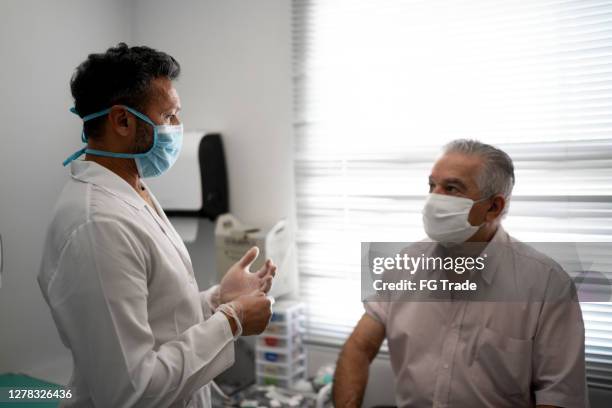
x=493, y=249
x=98, y=175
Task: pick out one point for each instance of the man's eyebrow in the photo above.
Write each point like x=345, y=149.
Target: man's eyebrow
x=451, y=180
x=454, y=180
x=171, y=109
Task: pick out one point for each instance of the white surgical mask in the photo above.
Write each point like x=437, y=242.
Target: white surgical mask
x=445, y=218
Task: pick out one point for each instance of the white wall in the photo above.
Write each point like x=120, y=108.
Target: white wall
x=236, y=78
x=41, y=42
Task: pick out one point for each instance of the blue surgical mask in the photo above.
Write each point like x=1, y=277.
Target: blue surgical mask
x=167, y=143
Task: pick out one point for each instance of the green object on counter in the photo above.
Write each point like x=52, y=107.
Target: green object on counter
x=17, y=381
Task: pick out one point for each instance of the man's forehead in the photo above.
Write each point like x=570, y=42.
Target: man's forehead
x=456, y=166
x=163, y=93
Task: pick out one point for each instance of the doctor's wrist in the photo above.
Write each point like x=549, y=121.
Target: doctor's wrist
x=233, y=313
x=215, y=296
x=232, y=322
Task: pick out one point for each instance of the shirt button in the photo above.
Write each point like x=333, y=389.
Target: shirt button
x=445, y=366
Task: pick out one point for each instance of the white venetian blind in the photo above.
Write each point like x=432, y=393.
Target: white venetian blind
x=380, y=86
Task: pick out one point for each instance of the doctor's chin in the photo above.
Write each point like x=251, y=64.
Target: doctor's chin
x=301, y=203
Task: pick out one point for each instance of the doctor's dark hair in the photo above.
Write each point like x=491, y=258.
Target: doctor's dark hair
x=120, y=76
x=497, y=173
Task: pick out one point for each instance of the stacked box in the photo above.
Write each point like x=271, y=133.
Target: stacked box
x=280, y=353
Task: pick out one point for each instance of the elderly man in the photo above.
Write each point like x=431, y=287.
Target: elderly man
x=115, y=273
x=525, y=352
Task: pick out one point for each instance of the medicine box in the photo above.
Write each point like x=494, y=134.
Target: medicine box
x=280, y=353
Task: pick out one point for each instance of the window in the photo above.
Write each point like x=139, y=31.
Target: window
x=381, y=86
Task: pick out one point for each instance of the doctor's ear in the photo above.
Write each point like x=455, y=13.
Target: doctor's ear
x=120, y=120
x=496, y=207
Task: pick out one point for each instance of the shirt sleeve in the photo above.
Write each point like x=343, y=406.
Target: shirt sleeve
x=210, y=299
x=100, y=303
x=558, y=356
x=377, y=310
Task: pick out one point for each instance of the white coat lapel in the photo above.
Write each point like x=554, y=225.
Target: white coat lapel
x=166, y=226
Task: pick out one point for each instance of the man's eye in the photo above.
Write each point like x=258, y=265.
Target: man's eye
x=451, y=189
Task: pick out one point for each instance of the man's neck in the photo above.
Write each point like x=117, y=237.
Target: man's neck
x=124, y=168
x=475, y=245
x=485, y=234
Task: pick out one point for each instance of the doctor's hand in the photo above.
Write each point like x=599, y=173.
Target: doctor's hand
x=254, y=312
x=239, y=280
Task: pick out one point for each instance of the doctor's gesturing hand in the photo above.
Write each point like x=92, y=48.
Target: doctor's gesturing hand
x=239, y=280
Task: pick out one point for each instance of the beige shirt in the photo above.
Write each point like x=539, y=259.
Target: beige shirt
x=464, y=354
x=121, y=289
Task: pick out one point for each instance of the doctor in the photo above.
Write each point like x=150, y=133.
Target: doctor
x=116, y=275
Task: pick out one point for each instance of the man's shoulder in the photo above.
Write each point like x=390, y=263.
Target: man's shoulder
x=532, y=259
x=419, y=248
x=81, y=203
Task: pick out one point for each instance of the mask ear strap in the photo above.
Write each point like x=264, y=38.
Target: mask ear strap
x=95, y=115
x=74, y=156
x=86, y=118
x=139, y=115
x=91, y=115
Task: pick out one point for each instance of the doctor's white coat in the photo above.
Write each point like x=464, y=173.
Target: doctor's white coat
x=121, y=289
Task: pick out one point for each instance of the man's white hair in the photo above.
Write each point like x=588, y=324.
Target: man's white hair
x=497, y=173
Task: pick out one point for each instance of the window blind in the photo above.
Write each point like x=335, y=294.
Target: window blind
x=380, y=86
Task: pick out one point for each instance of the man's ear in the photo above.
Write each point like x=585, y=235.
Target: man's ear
x=498, y=203
x=120, y=121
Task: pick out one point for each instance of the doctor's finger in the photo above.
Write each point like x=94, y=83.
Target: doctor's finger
x=265, y=268
x=266, y=284
x=270, y=272
x=248, y=258
x=257, y=293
